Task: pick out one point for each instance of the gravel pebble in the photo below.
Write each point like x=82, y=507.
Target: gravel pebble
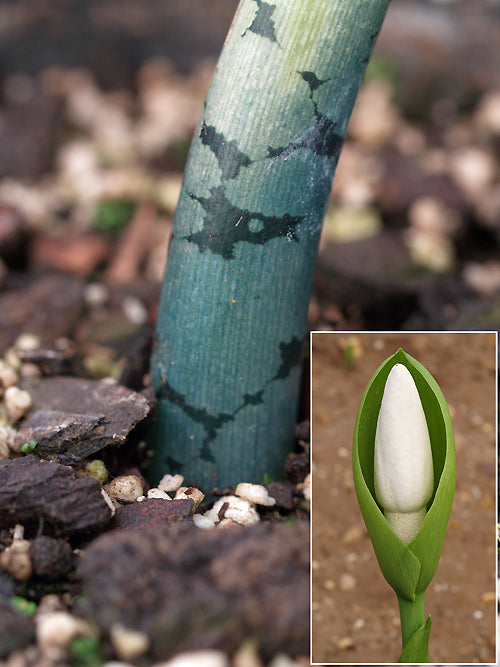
x=128, y=644
x=347, y=582
x=345, y=643
x=203, y=521
x=125, y=487
x=234, y=508
x=56, y=630
x=157, y=493
x=16, y=559
x=170, y=483
x=8, y=376
x=190, y=493
x=255, y=493
x=208, y=658
x=352, y=535
x=17, y=403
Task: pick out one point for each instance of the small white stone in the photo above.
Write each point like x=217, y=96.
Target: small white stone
x=30, y=371
x=128, y=644
x=18, y=532
x=27, y=342
x=473, y=169
x=212, y=515
x=134, y=310
x=170, y=483
x=12, y=359
x=17, y=403
x=157, y=493
x=8, y=438
x=16, y=559
x=255, y=493
x=8, y=376
x=96, y=295
x=237, y=509
x=108, y=502
x=281, y=660
x=488, y=113
x=48, y=603
x=347, y=582
x=190, y=493
x=125, y=487
x=359, y=624
x=227, y=522
x=203, y=521
x=207, y=658
x=55, y=630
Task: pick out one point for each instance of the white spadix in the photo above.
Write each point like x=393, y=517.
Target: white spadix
x=404, y=474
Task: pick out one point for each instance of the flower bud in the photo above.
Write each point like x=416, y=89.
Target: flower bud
x=404, y=474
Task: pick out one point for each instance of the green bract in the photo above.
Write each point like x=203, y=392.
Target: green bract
x=407, y=568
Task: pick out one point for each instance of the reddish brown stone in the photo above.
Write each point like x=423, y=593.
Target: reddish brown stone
x=79, y=254
x=152, y=512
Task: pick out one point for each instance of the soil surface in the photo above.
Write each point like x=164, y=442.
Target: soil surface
x=354, y=611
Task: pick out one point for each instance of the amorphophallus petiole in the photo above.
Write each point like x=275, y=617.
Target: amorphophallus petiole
x=232, y=319
x=404, y=475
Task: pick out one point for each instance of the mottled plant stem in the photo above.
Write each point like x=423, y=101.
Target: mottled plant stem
x=227, y=357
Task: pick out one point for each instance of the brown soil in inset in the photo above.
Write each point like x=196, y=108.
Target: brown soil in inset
x=355, y=616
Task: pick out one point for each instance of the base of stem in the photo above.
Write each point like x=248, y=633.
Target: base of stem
x=412, y=616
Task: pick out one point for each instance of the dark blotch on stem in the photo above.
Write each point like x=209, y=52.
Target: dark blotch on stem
x=263, y=24
x=322, y=138
x=291, y=355
x=220, y=239
x=228, y=155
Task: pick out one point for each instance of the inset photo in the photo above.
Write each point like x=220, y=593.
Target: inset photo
x=404, y=497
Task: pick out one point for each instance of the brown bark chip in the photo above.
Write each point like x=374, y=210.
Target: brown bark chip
x=32, y=491
x=81, y=417
x=151, y=513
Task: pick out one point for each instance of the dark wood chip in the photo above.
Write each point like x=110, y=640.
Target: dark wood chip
x=78, y=416
x=152, y=512
x=33, y=491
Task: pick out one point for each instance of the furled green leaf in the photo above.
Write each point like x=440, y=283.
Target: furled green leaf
x=407, y=568
x=417, y=648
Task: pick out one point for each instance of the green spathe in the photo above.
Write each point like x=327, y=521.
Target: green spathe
x=407, y=568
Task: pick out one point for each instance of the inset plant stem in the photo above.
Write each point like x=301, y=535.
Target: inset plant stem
x=412, y=616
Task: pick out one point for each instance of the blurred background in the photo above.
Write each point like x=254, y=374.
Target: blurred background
x=98, y=102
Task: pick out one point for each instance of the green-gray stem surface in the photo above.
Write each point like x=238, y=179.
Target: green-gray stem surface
x=233, y=312
x=412, y=614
